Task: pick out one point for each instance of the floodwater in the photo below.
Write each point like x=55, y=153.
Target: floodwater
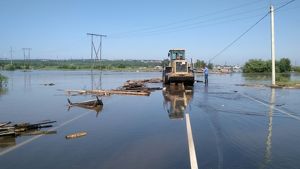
x=232, y=126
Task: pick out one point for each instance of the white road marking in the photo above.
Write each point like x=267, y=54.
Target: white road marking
x=265, y=104
x=192, y=152
x=38, y=136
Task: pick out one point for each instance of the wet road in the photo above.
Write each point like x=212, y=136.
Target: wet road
x=232, y=126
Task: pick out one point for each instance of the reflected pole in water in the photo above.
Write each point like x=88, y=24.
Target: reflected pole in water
x=27, y=80
x=268, y=152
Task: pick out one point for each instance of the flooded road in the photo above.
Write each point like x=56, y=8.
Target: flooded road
x=232, y=126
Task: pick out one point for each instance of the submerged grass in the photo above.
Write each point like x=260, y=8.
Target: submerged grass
x=289, y=83
x=2, y=78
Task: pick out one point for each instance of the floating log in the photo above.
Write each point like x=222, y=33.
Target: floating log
x=110, y=92
x=76, y=135
x=130, y=87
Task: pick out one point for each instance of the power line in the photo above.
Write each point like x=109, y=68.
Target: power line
x=239, y=37
x=195, y=26
x=251, y=27
x=211, y=21
x=284, y=5
x=179, y=26
x=185, y=20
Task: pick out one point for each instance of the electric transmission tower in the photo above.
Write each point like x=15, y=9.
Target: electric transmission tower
x=96, y=54
x=26, y=53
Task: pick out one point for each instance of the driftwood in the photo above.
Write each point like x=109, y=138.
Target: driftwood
x=140, y=84
x=17, y=129
x=130, y=87
x=76, y=135
x=109, y=92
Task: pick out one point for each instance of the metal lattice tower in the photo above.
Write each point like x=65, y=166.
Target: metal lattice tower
x=26, y=53
x=97, y=51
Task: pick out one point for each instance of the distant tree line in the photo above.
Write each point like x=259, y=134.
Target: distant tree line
x=200, y=64
x=261, y=66
x=76, y=64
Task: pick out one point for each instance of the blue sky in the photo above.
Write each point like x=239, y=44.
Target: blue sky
x=147, y=29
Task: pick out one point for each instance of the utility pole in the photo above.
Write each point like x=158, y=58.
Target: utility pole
x=11, y=53
x=272, y=45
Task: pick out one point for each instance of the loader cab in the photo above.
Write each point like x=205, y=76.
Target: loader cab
x=177, y=54
x=177, y=61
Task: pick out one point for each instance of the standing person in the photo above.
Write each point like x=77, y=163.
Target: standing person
x=205, y=71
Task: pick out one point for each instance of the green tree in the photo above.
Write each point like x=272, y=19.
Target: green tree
x=200, y=64
x=165, y=62
x=210, y=66
x=255, y=66
x=10, y=67
x=285, y=65
x=261, y=66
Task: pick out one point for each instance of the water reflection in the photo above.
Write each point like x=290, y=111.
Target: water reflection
x=97, y=109
x=265, y=76
x=268, y=152
x=176, y=100
x=214, y=123
x=3, y=87
x=3, y=90
x=10, y=141
x=7, y=141
x=96, y=80
x=27, y=80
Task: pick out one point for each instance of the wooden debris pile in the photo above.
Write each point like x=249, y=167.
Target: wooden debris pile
x=141, y=84
x=130, y=87
x=8, y=129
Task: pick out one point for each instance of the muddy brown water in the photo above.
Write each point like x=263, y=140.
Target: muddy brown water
x=233, y=126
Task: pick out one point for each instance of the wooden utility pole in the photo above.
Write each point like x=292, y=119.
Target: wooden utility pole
x=273, y=45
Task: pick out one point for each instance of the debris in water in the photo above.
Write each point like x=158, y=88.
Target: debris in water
x=87, y=104
x=6, y=129
x=76, y=135
x=48, y=84
x=130, y=87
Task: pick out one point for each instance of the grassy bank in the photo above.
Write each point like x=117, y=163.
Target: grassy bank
x=289, y=84
x=3, y=79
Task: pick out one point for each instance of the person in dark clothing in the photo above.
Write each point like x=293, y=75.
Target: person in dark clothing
x=205, y=71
